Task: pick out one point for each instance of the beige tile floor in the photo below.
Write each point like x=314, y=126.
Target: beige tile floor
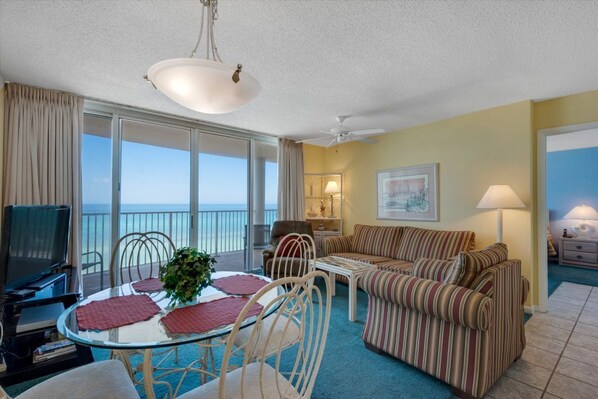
x=561, y=357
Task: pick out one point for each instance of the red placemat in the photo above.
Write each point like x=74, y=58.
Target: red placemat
x=242, y=284
x=148, y=285
x=206, y=316
x=116, y=312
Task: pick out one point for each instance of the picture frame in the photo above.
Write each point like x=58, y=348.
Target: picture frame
x=408, y=193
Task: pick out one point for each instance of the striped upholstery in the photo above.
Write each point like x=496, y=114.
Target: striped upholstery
x=397, y=266
x=376, y=240
x=333, y=245
x=474, y=262
x=471, y=346
x=432, y=269
x=435, y=244
x=448, y=302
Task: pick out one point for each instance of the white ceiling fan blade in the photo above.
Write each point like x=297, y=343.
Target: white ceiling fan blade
x=327, y=132
x=366, y=140
x=308, y=140
x=332, y=143
x=368, y=132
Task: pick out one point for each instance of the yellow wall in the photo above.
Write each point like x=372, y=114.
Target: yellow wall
x=569, y=110
x=473, y=151
x=313, y=158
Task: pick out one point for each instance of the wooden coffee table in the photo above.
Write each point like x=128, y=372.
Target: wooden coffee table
x=351, y=269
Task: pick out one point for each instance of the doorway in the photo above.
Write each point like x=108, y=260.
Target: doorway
x=564, y=181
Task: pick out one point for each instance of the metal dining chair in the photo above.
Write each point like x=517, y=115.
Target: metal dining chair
x=294, y=257
x=258, y=377
x=137, y=256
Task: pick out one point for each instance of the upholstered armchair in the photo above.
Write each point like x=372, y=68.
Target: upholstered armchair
x=281, y=228
x=464, y=336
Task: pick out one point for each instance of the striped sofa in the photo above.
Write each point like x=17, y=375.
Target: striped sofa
x=466, y=336
x=395, y=248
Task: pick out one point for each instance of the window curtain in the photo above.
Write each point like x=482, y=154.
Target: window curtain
x=42, y=155
x=291, y=199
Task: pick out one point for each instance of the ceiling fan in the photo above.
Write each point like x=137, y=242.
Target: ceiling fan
x=343, y=134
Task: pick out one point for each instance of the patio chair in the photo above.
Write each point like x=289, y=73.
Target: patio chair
x=257, y=378
x=261, y=239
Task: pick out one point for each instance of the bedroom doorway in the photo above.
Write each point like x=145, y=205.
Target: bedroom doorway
x=567, y=191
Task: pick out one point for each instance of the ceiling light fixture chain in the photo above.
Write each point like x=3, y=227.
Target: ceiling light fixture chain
x=205, y=85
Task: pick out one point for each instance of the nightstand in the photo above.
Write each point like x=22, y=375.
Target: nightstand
x=579, y=252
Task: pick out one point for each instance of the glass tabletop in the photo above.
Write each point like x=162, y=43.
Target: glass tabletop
x=344, y=263
x=150, y=333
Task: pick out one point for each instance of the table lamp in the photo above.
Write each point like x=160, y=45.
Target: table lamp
x=332, y=188
x=583, y=212
x=499, y=197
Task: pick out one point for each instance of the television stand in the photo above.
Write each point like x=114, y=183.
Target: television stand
x=31, y=322
x=47, y=280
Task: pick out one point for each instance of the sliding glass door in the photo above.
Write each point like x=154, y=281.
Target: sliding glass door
x=212, y=191
x=155, y=177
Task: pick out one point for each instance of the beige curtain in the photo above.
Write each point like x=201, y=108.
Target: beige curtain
x=42, y=155
x=291, y=199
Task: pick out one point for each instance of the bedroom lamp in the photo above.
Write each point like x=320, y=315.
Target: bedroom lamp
x=204, y=85
x=583, y=212
x=499, y=197
x=332, y=188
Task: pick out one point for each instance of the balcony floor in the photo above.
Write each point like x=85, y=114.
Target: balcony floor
x=226, y=261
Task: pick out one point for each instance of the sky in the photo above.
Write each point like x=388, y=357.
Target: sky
x=157, y=175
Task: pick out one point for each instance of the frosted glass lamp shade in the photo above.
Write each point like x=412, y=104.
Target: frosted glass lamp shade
x=583, y=212
x=203, y=85
x=332, y=188
x=500, y=196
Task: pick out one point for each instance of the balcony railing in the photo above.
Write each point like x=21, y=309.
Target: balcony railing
x=218, y=231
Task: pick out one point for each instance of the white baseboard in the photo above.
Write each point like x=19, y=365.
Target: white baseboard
x=529, y=309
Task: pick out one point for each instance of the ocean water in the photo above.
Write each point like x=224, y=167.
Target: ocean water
x=220, y=227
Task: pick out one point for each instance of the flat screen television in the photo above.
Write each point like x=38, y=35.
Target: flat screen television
x=34, y=243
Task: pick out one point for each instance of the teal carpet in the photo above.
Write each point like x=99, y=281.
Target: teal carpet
x=348, y=370
x=579, y=275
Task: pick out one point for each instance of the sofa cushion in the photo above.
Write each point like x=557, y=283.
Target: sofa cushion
x=376, y=240
x=469, y=265
x=434, y=244
x=432, y=269
x=397, y=266
x=373, y=259
x=288, y=247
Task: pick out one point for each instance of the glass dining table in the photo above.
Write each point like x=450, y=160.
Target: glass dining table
x=151, y=334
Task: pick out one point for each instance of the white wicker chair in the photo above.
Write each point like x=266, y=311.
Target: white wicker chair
x=304, y=250
x=258, y=375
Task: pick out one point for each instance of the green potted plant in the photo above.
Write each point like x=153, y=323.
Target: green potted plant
x=187, y=273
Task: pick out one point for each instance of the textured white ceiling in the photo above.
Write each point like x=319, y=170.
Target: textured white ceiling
x=391, y=64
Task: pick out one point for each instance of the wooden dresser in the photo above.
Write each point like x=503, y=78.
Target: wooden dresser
x=578, y=252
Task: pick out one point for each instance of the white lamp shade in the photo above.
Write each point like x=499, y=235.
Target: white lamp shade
x=203, y=85
x=332, y=187
x=500, y=196
x=583, y=212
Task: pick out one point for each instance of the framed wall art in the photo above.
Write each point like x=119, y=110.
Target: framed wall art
x=408, y=193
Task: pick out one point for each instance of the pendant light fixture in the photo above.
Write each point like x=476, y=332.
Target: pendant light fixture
x=204, y=85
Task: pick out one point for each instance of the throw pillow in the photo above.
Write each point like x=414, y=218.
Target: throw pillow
x=289, y=248
x=473, y=262
x=432, y=269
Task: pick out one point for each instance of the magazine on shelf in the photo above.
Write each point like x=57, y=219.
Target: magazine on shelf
x=54, y=349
